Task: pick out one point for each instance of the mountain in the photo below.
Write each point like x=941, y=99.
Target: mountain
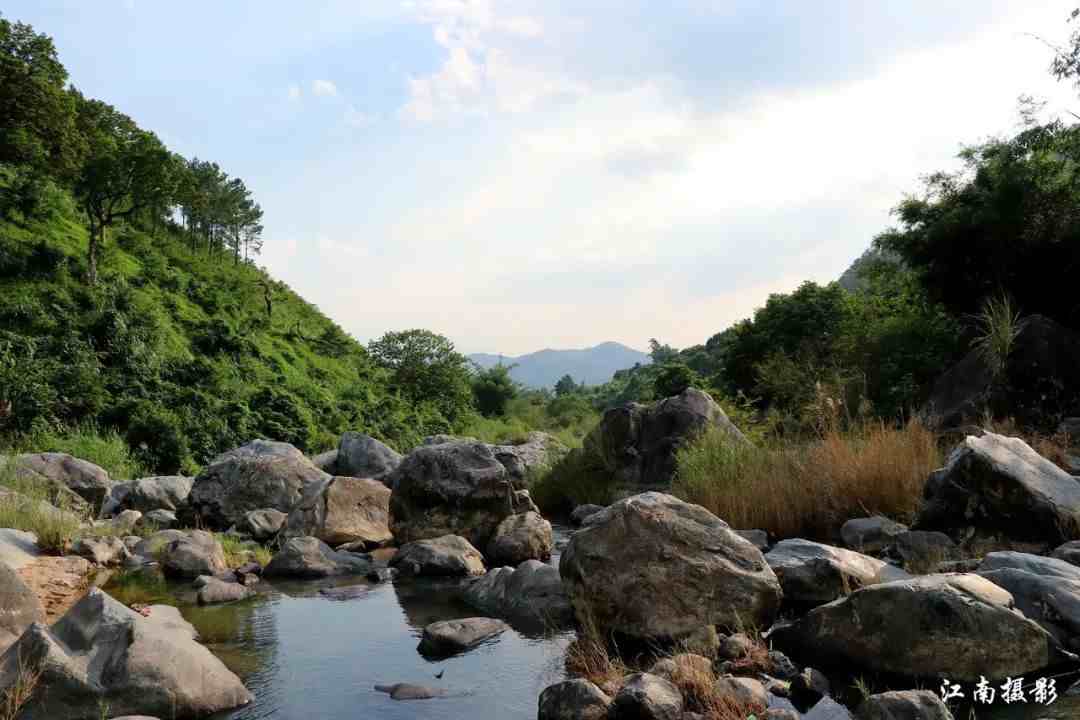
x=591, y=366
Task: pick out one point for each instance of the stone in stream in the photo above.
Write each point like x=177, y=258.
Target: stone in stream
x=195, y=553
x=362, y=456
x=104, y=654
x=653, y=567
x=446, y=556
x=647, y=697
x=101, y=550
x=813, y=574
x=162, y=492
x=526, y=536
x=582, y=513
x=261, y=474
x=124, y=523
x=1047, y=590
x=450, y=637
x=262, y=524
x=409, y=691
x=871, y=534
x=158, y=520
x=904, y=705
x=343, y=510
x=213, y=591
x=532, y=591
x=747, y=692
x=573, y=700
x=308, y=557
x=959, y=626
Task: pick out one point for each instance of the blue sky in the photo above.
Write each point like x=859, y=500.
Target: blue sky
x=527, y=174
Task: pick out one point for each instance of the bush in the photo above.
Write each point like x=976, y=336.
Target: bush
x=26, y=506
x=158, y=438
x=673, y=379
x=570, y=482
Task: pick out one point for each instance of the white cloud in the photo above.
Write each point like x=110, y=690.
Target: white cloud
x=324, y=88
x=294, y=92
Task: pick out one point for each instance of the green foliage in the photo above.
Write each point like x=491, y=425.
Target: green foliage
x=493, y=389
x=424, y=367
x=673, y=378
x=570, y=482
x=998, y=325
x=27, y=505
x=566, y=386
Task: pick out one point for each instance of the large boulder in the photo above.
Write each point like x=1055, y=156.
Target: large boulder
x=19, y=607
x=163, y=492
x=1047, y=590
x=654, y=567
x=194, y=553
x=343, y=510
x=449, y=637
x=308, y=557
x=453, y=488
x=103, y=654
x=261, y=474
x=101, y=550
x=533, y=591
x=1000, y=485
x=573, y=700
x=956, y=625
x=81, y=482
x=636, y=444
x=870, y=534
x=583, y=512
x=813, y=574
x=212, y=591
x=526, y=536
x=363, y=456
x=521, y=460
x=446, y=556
x=904, y=705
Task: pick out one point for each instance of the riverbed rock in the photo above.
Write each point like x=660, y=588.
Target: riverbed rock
x=158, y=519
x=904, y=705
x=870, y=534
x=343, y=510
x=362, y=456
x=308, y=557
x=457, y=488
x=162, y=492
x=523, y=459
x=636, y=444
x=682, y=663
x=582, y=513
x=654, y=567
x=446, y=556
x=153, y=546
x=262, y=525
x=1047, y=590
x=101, y=550
x=102, y=653
x=533, y=591
x=195, y=553
x=19, y=607
x=80, y=482
x=923, y=549
x=213, y=591
x=259, y=475
x=747, y=692
x=450, y=637
x=647, y=697
x=327, y=461
x=1000, y=485
x=966, y=625
x=409, y=691
x=759, y=538
x=1069, y=552
x=573, y=700
x=813, y=574
x=526, y=536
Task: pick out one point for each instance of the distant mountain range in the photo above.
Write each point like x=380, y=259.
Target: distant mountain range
x=591, y=366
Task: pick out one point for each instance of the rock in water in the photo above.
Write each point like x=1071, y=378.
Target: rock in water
x=999, y=484
x=446, y=556
x=262, y=525
x=904, y=705
x=648, y=697
x=533, y=592
x=214, y=591
x=408, y=691
x=573, y=700
x=959, y=626
x=813, y=574
x=449, y=637
x=261, y=474
x=102, y=653
x=101, y=550
x=363, y=456
x=343, y=510
x=522, y=537
x=1047, y=590
x=308, y=557
x=194, y=553
x=654, y=567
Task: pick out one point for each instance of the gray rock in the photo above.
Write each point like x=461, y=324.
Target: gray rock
x=101, y=550
x=162, y=492
x=636, y=444
x=263, y=524
x=327, y=462
x=261, y=474
x=828, y=709
x=195, y=553
x=735, y=646
x=19, y=607
x=308, y=557
x=747, y=692
x=18, y=548
x=999, y=484
x=573, y=700
x=924, y=548
x=124, y=523
x=363, y=456
x=781, y=666
x=648, y=697
x=522, y=460
x=343, y=510
x=154, y=546
x=214, y=591
x=526, y=536
x=448, y=556
x=809, y=686
x=64, y=472
x=683, y=663
x=813, y=574
x=967, y=627
x=532, y=591
x=408, y=691
x=159, y=519
x=1069, y=552
x=904, y=705
x=1046, y=590
x=871, y=534
x=582, y=513
x=453, y=488
x=654, y=567
x=102, y=653
x=778, y=713
x=759, y=538
x=450, y=637
x=1034, y=564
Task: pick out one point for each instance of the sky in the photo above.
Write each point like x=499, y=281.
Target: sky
x=525, y=174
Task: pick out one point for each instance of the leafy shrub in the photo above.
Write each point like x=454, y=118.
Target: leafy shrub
x=158, y=438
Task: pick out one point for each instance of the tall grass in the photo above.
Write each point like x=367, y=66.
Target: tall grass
x=571, y=481
x=238, y=552
x=105, y=448
x=998, y=324
x=809, y=489
x=27, y=505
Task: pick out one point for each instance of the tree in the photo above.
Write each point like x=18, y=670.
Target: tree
x=125, y=171
x=493, y=388
x=424, y=367
x=661, y=353
x=566, y=386
x=673, y=379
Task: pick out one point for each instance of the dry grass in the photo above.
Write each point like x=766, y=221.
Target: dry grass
x=589, y=656
x=21, y=691
x=1054, y=447
x=809, y=489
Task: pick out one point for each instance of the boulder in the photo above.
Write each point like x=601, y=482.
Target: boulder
x=154, y=546
x=923, y=548
x=363, y=456
x=263, y=524
x=19, y=607
x=327, y=462
x=1069, y=552
x=18, y=548
x=124, y=523
x=195, y=553
x=573, y=700
x=904, y=705
x=81, y=482
x=408, y=691
x=158, y=519
x=522, y=460
x=213, y=591
x=957, y=626
x=636, y=444
x=747, y=692
x=259, y=475
x=450, y=637
x=1000, y=485
x=447, y=556
x=343, y=510
x=813, y=574
x=870, y=534
x=828, y=709
x=526, y=536
x=1047, y=590
x=103, y=654
x=308, y=557
x=759, y=538
x=533, y=591
x=654, y=567
x=647, y=697
x=582, y=513
x=683, y=663
x=734, y=646
x=101, y=550
x=163, y=492
x=808, y=687
x=453, y=488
